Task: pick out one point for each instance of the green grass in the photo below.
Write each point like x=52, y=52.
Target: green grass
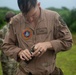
x=0, y=65
x=67, y=61
x=74, y=38
x=0, y=69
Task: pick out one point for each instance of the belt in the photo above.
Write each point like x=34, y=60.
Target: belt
x=32, y=74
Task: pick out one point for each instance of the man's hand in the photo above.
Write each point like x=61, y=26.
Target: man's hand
x=41, y=48
x=25, y=55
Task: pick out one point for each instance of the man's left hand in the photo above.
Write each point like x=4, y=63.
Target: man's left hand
x=41, y=48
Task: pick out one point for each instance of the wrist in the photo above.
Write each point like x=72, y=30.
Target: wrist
x=49, y=46
x=19, y=53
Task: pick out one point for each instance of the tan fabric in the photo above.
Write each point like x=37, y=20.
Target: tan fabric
x=23, y=35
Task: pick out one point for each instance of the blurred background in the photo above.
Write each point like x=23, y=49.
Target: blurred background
x=67, y=9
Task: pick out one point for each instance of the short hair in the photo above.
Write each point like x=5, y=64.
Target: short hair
x=26, y=5
x=9, y=15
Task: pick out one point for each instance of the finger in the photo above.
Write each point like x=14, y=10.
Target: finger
x=22, y=58
x=42, y=52
x=27, y=55
x=36, y=47
x=36, y=53
x=28, y=52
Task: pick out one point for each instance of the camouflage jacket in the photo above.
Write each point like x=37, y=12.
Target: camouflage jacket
x=3, y=32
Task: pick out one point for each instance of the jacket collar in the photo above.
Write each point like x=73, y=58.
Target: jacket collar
x=41, y=18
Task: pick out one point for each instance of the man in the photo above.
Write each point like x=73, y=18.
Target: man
x=34, y=39
x=8, y=65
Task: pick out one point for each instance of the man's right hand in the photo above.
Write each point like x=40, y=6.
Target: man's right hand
x=25, y=55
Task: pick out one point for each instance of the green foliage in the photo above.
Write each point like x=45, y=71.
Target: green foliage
x=74, y=38
x=2, y=15
x=2, y=22
x=69, y=16
x=73, y=16
x=73, y=27
x=3, y=11
x=0, y=69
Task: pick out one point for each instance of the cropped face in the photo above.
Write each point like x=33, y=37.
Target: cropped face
x=33, y=14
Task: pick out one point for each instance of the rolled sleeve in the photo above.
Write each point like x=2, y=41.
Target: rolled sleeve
x=59, y=45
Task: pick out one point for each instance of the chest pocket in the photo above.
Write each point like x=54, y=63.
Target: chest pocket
x=42, y=34
x=41, y=31
x=25, y=37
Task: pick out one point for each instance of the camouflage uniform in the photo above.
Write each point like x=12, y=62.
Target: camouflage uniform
x=8, y=65
x=1, y=41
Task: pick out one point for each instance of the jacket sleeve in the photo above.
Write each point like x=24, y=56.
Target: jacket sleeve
x=10, y=46
x=62, y=35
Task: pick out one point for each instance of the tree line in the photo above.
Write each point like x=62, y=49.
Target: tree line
x=68, y=15
x=3, y=11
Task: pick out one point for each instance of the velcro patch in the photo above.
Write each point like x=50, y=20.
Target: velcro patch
x=41, y=31
x=27, y=33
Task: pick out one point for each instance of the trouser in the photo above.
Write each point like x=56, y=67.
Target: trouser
x=57, y=71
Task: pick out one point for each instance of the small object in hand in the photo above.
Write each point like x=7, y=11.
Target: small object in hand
x=32, y=50
x=40, y=51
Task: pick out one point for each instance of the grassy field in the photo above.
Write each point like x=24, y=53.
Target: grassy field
x=0, y=69
x=65, y=60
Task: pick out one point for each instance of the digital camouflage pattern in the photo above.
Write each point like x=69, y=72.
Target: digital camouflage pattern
x=8, y=65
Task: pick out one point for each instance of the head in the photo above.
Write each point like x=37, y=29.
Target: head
x=9, y=15
x=30, y=9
